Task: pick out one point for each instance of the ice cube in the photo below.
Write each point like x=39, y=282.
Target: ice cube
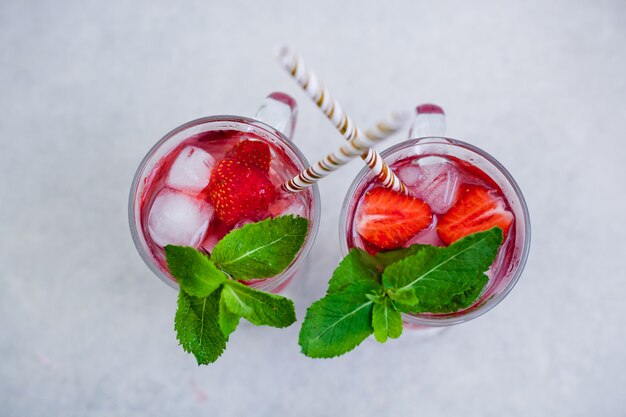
x=191, y=170
x=434, y=180
x=409, y=174
x=288, y=204
x=177, y=218
x=278, y=173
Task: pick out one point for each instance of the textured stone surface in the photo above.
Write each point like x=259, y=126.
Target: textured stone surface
x=86, y=87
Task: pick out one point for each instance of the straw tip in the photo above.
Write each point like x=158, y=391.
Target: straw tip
x=429, y=109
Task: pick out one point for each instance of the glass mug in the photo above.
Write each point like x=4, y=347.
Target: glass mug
x=427, y=139
x=274, y=122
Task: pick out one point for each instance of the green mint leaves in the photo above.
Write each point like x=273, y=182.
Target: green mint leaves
x=441, y=276
x=210, y=303
x=261, y=250
x=386, y=320
x=340, y=321
x=367, y=294
x=356, y=266
x=260, y=308
x=197, y=327
x=195, y=273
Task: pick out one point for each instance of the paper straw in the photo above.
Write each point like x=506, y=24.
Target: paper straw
x=359, y=144
x=388, y=127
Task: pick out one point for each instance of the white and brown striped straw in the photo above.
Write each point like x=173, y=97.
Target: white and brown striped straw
x=359, y=144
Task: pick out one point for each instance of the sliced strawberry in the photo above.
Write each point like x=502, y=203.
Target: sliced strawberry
x=252, y=153
x=388, y=219
x=476, y=210
x=239, y=192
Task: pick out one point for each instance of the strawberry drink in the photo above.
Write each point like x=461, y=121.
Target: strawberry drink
x=454, y=190
x=214, y=175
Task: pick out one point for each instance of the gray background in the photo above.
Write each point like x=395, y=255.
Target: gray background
x=87, y=87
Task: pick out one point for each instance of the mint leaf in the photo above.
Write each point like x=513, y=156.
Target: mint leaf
x=193, y=271
x=228, y=320
x=197, y=328
x=445, y=278
x=357, y=265
x=468, y=297
x=384, y=259
x=261, y=250
x=386, y=321
x=338, y=322
x=258, y=307
x=404, y=296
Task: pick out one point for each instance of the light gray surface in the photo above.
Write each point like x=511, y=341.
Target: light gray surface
x=86, y=87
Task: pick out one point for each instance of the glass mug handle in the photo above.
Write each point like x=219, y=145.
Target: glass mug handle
x=430, y=120
x=280, y=111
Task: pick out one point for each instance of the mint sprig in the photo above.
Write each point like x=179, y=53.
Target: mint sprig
x=367, y=294
x=211, y=302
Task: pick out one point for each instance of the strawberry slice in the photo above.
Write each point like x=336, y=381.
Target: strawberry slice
x=388, y=219
x=476, y=210
x=253, y=153
x=238, y=192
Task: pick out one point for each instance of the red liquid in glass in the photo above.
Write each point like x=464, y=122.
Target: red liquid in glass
x=438, y=180
x=217, y=144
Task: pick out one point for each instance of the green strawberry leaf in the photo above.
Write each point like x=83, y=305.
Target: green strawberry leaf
x=356, y=266
x=386, y=321
x=338, y=322
x=261, y=250
x=193, y=271
x=258, y=307
x=197, y=327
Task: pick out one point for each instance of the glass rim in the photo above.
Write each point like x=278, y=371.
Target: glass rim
x=138, y=238
x=472, y=313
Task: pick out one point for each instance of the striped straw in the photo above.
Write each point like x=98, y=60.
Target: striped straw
x=359, y=144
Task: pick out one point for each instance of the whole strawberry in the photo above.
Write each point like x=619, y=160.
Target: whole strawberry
x=252, y=153
x=239, y=191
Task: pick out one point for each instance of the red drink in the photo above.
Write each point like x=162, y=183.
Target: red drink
x=439, y=181
x=171, y=199
x=465, y=191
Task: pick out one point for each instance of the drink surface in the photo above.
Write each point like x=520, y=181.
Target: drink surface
x=460, y=199
x=176, y=205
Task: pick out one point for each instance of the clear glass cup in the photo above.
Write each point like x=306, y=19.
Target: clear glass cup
x=275, y=122
x=427, y=137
